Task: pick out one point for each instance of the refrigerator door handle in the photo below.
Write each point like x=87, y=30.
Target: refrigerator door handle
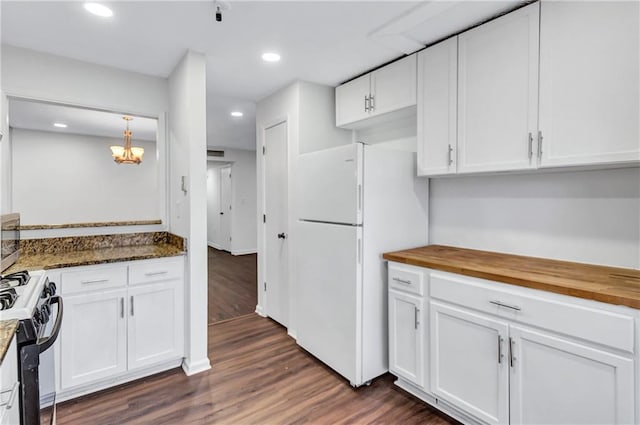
x=359, y=197
x=359, y=251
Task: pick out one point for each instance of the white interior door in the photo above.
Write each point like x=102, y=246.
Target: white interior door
x=275, y=227
x=225, y=208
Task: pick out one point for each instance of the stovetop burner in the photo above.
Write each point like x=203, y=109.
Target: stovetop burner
x=12, y=280
x=8, y=297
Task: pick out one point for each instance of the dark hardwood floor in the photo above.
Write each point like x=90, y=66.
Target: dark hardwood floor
x=259, y=376
x=233, y=288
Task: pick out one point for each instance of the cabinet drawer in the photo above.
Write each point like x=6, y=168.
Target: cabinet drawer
x=156, y=270
x=9, y=369
x=93, y=278
x=578, y=318
x=406, y=278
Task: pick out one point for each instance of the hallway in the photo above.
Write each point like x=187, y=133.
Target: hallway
x=232, y=285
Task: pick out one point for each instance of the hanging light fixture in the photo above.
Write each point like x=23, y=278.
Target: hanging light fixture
x=127, y=154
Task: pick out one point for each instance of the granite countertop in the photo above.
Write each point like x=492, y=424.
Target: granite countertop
x=7, y=330
x=611, y=285
x=85, y=257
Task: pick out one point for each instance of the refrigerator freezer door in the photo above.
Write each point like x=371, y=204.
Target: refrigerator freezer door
x=330, y=185
x=329, y=307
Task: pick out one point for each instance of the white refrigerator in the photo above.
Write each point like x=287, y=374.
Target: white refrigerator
x=355, y=203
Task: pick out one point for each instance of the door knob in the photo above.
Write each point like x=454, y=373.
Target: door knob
x=282, y=236
x=221, y=213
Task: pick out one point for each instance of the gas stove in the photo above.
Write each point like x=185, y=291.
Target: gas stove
x=20, y=293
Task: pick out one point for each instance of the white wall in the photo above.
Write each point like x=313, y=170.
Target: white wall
x=40, y=76
x=586, y=216
x=188, y=218
x=69, y=178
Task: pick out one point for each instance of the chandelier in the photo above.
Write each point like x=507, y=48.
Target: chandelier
x=127, y=154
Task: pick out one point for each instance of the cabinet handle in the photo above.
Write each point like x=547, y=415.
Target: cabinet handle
x=500, y=304
x=372, y=103
x=156, y=273
x=540, y=144
x=512, y=358
x=88, y=282
x=406, y=282
x=530, y=146
x=450, y=155
x=131, y=298
x=416, y=321
x=500, y=355
x=366, y=103
x=122, y=307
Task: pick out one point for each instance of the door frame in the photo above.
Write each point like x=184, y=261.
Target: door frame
x=263, y=301
x=229, y=212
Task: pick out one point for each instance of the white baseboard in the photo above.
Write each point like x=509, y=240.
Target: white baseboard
x=81, y=390
x=260, y=311
x=191, y=368
x=243, y=251
x=214, y=245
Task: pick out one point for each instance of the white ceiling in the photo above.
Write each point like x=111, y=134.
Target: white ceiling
x=326, y=42
x=41, y=116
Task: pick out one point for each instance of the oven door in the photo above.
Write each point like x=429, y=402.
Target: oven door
x=46, y=370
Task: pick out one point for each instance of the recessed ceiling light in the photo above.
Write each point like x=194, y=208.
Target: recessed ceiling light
x=270, y=57
x=98, y=10
x=60, y=125
x=236, y=114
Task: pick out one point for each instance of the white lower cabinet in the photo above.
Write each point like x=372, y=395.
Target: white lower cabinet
x=558, y=381
x=468, y=366
x=500, y=354
x=93, y=337
x=155, y=324
x=109, y=335
x=406, y=336
x=10, y=387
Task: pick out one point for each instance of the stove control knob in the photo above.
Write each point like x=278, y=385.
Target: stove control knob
x=45, y=313
x=52, y=288
x=37, y=317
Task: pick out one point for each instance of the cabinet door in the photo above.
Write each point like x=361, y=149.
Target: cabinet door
x=557, y=381
x=351, y=101
x=406, y=337
x=589, y=85
x=93, y=337
x=469, y=368
x=437, y=105
x=393, y=87
x=498, y=93
x=156, y=321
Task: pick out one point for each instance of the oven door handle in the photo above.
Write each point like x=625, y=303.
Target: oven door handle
x=47, y=342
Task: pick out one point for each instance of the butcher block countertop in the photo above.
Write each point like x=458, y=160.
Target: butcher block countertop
x=611, y=285
x=7, y=330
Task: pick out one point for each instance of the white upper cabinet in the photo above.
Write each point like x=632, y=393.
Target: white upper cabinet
x=437, y=108
x=388, y=89
x=589, y=82
x=393, y=87
x=352, y=101
x=498, y=93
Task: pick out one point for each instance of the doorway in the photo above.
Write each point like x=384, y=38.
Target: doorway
x=232, y=264
x=276, y=250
